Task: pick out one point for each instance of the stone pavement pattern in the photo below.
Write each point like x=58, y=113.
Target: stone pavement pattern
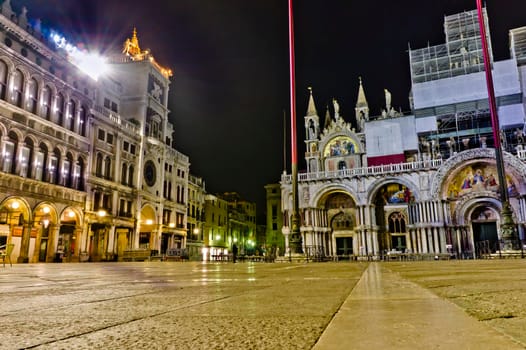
x=385, y=311
x=159, y=305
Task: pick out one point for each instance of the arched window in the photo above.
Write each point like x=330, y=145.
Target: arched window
x=82, y=121
x=124, y=173
x=18, y=88
x=32, y=96
x=26, y=158
x=98, y=166
x=45, y=110
x=107, y=168
x=9, y=150
x=71, y=115
x=80, y=168
x=59, y=109
x=3, y=80
x=41, y=163
x=67, y=171
x=130, y=176
x=396, y=223
x=54, y=171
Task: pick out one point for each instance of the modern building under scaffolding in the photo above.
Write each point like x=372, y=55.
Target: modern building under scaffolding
x=423, y=184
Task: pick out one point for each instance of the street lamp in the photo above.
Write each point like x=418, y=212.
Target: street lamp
x=508, y=233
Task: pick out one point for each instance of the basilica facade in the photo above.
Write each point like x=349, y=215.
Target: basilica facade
x=423, y=182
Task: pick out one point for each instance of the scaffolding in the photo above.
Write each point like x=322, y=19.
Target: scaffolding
x=460, y=55
x=518, y=45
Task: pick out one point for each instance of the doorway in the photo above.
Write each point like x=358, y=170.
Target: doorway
x=485, y=237
x=399, y=243
x=344, y=246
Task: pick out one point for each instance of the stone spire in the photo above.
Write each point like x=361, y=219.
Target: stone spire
x=327, y=119
x=311, y=109
x=361, y=101
x=361, y=109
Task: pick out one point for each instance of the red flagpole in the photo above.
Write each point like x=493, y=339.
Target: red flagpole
x=508, y=237
x=294, y=237
x=294, y=154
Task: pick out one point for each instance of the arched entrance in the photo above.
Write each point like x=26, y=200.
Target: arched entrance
x=391, y=209
x=67, y=235
x=341, y=212
x=147, y=237
x=484, y=227
x=46, y=220
x=342, y=229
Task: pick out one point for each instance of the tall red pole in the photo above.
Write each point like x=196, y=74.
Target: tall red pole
x=507, y=226
x=294, y=238
x=294, y=154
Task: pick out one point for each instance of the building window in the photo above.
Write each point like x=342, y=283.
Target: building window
x=18, y=86
x=8, y=154
x=59, y=107
x=101, y=135
x=82, y=121
x=38, y=166
x=70, y=115
x=130, y=176
x=107, y=168
x=32, y=96
x=3, y=80
x=24, y=161
x=109, y=138
x=397, y=223
x=98, y=165
x=53, y=169
x=45, y=109
x=124, y=173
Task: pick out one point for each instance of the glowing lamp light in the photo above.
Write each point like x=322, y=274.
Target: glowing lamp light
x=172, y=224
x=46, y=210
x=101, y=213
x=92, y=64
x=71, y=214
x=218, y=237
x=149, y=222
x=15, y=205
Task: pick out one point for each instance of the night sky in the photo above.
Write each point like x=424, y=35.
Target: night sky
x=230, y=60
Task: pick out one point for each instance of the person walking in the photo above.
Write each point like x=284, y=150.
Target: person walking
x=234, y=253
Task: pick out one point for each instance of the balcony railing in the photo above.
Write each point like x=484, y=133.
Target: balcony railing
x=367, y=171
x=386, y=169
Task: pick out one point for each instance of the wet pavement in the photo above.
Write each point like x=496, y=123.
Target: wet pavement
x=173, y=305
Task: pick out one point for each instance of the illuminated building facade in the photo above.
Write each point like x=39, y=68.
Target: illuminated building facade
x=274, y=219
x=88, y=166
x=423, y=183
x=195, y=215
x=229, y=220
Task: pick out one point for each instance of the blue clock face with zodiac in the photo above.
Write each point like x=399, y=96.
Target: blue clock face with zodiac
x=149, y=173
